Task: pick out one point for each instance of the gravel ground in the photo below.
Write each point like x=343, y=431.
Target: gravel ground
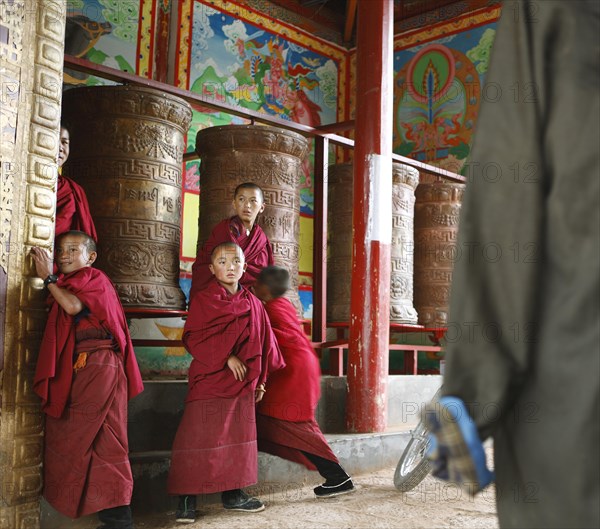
x=375, y=504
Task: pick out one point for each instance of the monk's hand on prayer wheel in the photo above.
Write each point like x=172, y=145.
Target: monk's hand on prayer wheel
x=238, y=368
x=42, y=261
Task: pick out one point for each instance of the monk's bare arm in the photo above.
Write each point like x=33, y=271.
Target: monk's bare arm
x=43, y=268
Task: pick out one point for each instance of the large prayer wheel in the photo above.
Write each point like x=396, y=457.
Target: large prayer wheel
x=269, y=157
x=127, y=145
x=437, y=212
x=339, y=247
x=339, y=259
x=404, y=182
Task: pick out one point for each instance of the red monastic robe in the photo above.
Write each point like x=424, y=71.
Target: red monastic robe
x=256, y=247
x=285, y=419
x=215, y=446
x=86, y=465
x=72, y=209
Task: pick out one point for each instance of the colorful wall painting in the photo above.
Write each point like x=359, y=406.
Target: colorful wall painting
x=233, y=54
x=437, y=91
x=238, y=62
x=114, y=33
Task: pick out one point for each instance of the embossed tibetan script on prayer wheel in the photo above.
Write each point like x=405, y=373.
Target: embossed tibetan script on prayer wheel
x=404, y=182
x=339, y=256
x=127, y=145
x=437, y=212
x=269, y=157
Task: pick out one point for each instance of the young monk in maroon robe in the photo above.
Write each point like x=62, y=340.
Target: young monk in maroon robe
x=72, y=208
x=248, y=203
x=234, y=351
x=85, y=373
x=285, y=420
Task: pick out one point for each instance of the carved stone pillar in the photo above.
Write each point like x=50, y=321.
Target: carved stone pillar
x=339, y=256
x=31, y=59
x=405, y=180
x=437, y=213
x=269, y=157
x=127, y=145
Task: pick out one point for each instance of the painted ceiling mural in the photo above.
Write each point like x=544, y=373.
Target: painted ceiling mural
x=438, y=89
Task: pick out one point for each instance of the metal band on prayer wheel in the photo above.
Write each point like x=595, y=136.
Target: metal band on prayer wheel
x=266, y=156
x=437, y=212
x=127, y=145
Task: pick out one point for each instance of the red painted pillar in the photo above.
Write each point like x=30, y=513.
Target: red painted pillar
x=372, y=220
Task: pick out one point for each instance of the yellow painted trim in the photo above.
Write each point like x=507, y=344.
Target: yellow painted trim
x=462, y=23
x=185, y=17
x=145, y=33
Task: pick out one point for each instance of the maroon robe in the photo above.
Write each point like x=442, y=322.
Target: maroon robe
x=86, y=465
x=256, y=247
x=215, y=446
x=72, y=209
x=285, y=417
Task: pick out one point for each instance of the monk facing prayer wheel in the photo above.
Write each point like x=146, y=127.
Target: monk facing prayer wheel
x=339, y=262
x=126, y=152
x=268, y=157
x=437, y=213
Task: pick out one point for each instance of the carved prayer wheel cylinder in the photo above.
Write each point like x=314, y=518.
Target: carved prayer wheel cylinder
x=269, y=157
x=437, y=213
x=339, y=248
x=339, y=260
x=127, y=145
x=404, y=183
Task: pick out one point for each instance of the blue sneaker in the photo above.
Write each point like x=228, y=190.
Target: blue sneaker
x=456, y=452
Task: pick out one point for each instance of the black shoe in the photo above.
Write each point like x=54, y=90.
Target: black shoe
x=238, y=500
x=116, y=518
x=329, y=490
x=186, y=510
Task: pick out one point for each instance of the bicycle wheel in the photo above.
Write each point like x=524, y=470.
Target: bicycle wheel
x=413, y=466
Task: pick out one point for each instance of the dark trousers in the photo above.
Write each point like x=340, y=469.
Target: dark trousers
x=116, y=518
x=330, y=470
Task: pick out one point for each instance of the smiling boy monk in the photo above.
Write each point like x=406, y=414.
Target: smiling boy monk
x=248, y=203
x=234, y=351
x=85, y=373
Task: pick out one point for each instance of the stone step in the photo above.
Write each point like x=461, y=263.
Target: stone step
x=154, y=415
